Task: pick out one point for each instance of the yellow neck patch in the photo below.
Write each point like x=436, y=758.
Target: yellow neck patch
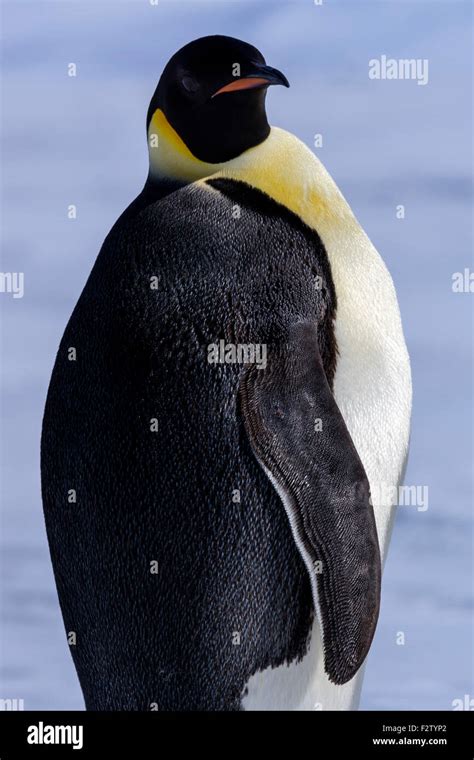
x=161, y=127
x=170, y=157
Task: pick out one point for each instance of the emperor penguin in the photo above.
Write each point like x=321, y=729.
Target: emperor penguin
x=227, y=420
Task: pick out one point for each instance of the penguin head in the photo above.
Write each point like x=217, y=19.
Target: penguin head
x=212, y=96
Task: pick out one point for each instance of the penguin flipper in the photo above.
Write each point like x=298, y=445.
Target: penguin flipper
x=300, y=438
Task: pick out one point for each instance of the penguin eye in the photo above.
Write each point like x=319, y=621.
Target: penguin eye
x=189, y=83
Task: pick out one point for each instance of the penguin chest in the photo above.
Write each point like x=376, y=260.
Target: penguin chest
x=372, y=383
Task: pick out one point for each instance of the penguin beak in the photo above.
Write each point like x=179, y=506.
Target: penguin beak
x=261, y=75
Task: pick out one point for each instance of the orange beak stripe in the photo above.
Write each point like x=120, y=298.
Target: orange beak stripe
x=242, y=84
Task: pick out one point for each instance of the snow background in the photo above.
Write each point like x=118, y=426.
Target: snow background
x=82, y=140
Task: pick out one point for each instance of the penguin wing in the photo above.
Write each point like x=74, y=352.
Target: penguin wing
x=300, y=438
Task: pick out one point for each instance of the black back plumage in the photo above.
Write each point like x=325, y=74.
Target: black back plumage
x=224, y=567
